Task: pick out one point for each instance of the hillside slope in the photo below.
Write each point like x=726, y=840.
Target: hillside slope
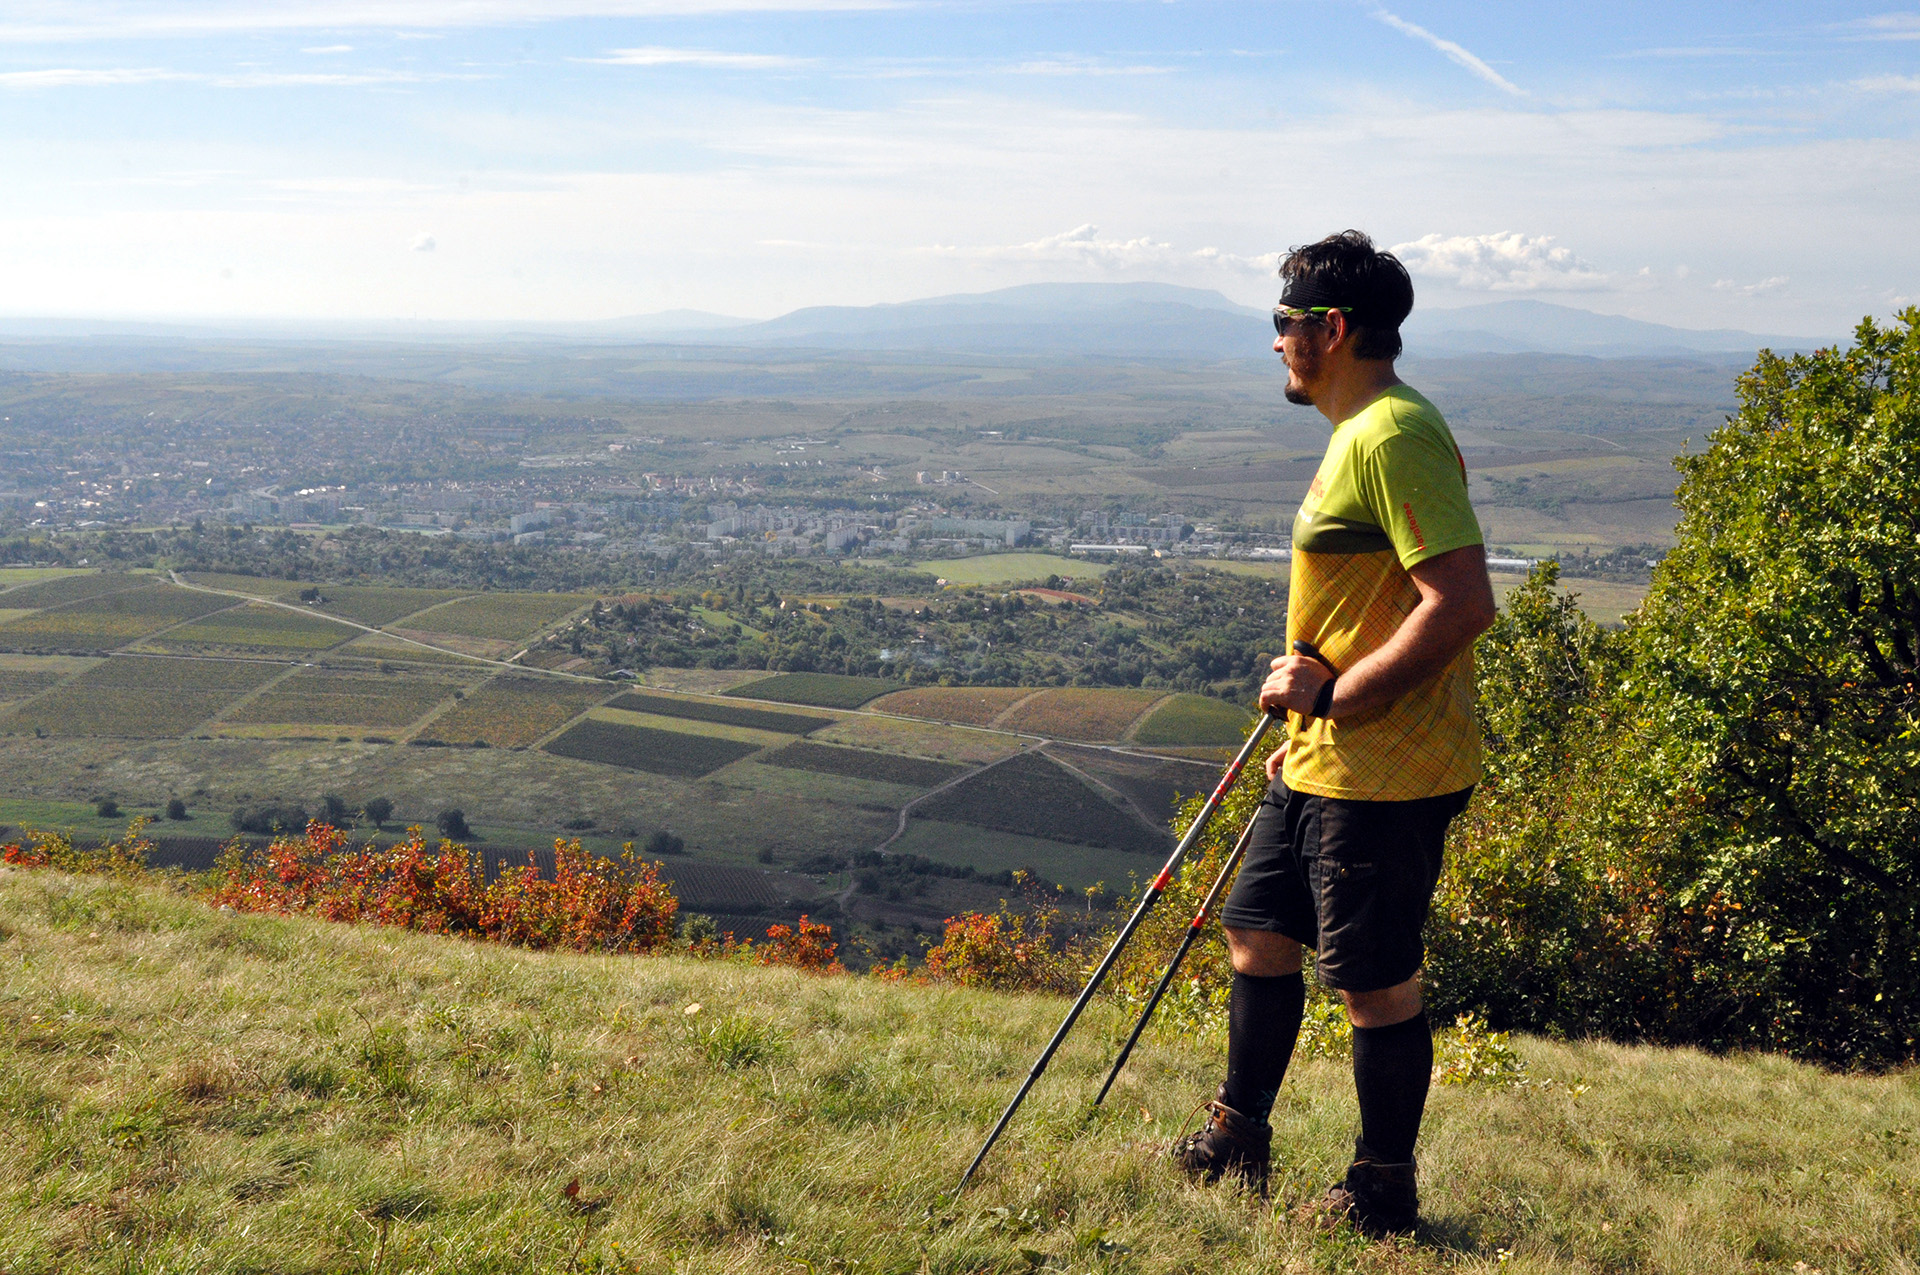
x=182, y=1089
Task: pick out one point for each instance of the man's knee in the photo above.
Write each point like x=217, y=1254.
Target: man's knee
x=1263, y=953
x=1385, y=1006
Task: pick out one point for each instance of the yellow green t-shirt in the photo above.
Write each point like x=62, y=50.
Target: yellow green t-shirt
x=1390, y=493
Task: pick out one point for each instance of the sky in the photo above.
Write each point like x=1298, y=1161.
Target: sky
x=1746, y=165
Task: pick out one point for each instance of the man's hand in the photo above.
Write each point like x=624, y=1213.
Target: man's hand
x=1294, y=684
x=1275, y=760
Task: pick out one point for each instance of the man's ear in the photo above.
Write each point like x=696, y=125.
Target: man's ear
x=1339, y=330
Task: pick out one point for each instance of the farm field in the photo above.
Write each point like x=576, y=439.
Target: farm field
x=22, y=683
x=136, y=697
x=252, y=586
x=327, y=697
x=761, y=778
x=73, y=586
x=1604, y=601
x=685, y=726
x=1012, y=568
x=725, y=714
x=887, y=768
x=499, y=617
x=919, y=739
x=969, y=705
x=378, y=604
x=1194, y=720
x=1090, y=714
x=701, y=681
x=514, y=712
x=256, y=626
x=105, y=621
x=989, y=850
x=819, y=690
x=662, y=752
x=384, y=646
x=13, y=577
x=1156, y=784
x=1033, y=796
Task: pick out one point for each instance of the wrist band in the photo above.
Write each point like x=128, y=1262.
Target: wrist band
x=1323, y=702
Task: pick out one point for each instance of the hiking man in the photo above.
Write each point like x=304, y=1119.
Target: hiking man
x=1389, y=584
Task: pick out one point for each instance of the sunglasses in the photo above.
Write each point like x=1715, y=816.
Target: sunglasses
x=1286, y=316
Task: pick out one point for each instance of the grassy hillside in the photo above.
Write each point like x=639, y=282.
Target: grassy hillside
x=182, y=1089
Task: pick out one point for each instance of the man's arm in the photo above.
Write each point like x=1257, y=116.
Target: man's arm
x=1456, y=606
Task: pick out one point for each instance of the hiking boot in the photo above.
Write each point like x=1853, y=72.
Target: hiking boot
x=1229, y=1143
x=1376, y=1199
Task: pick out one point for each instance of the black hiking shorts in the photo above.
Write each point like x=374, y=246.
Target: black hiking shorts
x=1350, y=879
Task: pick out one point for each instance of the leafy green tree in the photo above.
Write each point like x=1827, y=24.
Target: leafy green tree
x=453, y=825
x=1777, y=728
x=176, y=809
x=379, y=810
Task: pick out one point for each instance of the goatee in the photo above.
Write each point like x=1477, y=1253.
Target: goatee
x=1299, y=397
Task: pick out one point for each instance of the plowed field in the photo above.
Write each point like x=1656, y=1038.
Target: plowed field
x=971, y=705
x=1093, y=715
x=512, y=712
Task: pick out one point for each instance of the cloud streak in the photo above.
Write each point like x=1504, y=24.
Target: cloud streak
x=71, y=21
x=1454, y=53
x=654, y=55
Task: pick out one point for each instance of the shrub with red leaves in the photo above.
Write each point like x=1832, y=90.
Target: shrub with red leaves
x=1004, y=951
x=592, y=904
x=807, y=946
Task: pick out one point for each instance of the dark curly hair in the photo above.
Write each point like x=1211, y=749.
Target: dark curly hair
x=1347, y=270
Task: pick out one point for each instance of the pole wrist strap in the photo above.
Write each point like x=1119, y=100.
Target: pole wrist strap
x=1323, y=702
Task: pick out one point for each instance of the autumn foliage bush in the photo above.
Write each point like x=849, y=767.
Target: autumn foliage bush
x=591, y=904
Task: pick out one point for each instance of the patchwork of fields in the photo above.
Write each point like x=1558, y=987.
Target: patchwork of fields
x=300, y=700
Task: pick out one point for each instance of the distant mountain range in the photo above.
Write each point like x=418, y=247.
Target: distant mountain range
x=1074, y=320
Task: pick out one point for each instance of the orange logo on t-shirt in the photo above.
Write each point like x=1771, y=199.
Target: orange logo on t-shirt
x=1413, y=523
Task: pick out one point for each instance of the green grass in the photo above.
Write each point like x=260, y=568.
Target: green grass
x=502, y=617
x=820, y=690
x=661, y=752
x=182, y=1089
x=697, y=710
x=252, y=586
x=12, y=577
x=1013, y=568
x=1193, y=720
x=256, y=626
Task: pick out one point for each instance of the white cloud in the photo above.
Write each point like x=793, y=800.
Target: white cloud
x=329, y=48
x=423, y=243
x=1506, y=262
x=655, y=56
x=1266, y=263
x=1083, y=246
x=1771, y=284
x=44, y=21
x=1887, y=26
x=1888, y=84
x=1454, y=52
x=1082, y=66
x=109, y=77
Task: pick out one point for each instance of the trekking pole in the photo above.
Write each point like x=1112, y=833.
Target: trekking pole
x=1152, y=896
x=1199, y=921
x=1179, y=955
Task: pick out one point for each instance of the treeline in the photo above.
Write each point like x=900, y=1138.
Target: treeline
x=1705, y=828
x=1147, y=626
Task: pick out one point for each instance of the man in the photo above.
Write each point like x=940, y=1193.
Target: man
x=1390, y=587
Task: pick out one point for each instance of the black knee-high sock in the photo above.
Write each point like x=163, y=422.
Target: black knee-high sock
x=1392, y=1067
x=1263, y=1022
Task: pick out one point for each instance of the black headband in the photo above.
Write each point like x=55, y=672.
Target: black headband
x=1305, y=294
